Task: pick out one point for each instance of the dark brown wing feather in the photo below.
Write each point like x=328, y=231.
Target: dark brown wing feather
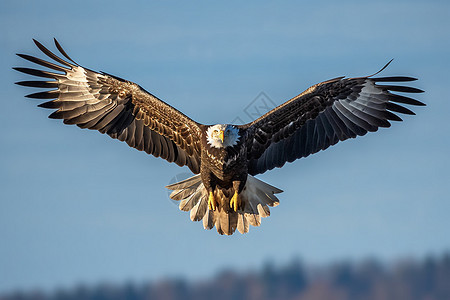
x=114, y=106
x=323, y=115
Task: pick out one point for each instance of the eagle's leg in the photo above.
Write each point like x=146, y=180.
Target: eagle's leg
x=236, y=202
x=209, y=181
x=212, y=202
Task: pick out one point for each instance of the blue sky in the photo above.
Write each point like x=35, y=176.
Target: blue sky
x=79, y=207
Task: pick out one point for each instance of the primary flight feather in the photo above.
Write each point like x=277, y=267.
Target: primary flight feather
x=225, y=157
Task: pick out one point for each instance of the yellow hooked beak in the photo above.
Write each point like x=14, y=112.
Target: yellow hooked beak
x=221, y=135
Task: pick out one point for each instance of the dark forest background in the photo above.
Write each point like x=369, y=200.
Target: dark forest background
x=426, y=279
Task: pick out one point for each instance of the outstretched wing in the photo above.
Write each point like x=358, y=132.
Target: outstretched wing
x=114, y=106
x=323, y=115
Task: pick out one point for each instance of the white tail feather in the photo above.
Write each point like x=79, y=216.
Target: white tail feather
x=256, y=197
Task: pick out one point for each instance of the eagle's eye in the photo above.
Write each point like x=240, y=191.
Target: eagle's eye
x=215, y=132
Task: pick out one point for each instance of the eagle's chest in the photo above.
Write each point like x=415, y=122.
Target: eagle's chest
x=224, y=163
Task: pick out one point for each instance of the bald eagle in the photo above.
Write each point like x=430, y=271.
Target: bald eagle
x=224, y=157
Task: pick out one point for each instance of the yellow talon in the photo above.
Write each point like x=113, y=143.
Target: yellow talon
x=235, y=202
x=212, y=203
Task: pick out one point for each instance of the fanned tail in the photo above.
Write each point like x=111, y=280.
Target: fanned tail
x=256, y=197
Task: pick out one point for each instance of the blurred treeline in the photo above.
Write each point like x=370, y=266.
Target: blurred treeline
x=427, y=279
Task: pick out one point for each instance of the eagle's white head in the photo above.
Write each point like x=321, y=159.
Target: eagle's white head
x=222, y=135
